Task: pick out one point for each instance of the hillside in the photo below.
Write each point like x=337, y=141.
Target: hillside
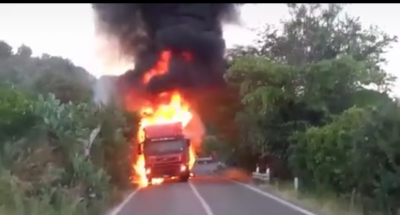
x=45, y=74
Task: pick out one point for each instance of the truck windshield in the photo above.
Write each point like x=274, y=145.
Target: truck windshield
x=164, y=147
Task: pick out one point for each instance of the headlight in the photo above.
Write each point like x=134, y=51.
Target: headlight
x=183, y=168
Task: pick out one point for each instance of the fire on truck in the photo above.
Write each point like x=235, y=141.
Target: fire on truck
x=166, y=152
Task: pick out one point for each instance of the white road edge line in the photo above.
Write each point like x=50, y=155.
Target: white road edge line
x=203, y=202
x=277, y=199
x=118, y=208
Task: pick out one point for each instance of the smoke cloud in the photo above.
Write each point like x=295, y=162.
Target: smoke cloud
x=191, y=32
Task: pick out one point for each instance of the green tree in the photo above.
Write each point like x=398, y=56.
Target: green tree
x=60, y=153
x=5, y=50
x=46, y=74
x=314, y=98
x=24, y=51
x=316, y=66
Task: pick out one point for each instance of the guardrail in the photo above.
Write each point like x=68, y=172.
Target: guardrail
x=262, y=176
x=266, y=177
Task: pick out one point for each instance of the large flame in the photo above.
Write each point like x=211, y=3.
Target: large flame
x=174, y=110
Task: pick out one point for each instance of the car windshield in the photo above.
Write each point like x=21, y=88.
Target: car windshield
x=164, y=147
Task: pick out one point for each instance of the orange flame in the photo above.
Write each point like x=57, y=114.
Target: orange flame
x=176, y=110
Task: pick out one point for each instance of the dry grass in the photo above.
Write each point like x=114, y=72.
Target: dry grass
x=321, y=205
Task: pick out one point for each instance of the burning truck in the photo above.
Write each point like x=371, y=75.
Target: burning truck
x=175, y=48
x=166, y=152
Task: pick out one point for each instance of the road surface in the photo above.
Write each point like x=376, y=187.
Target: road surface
x=206, y=194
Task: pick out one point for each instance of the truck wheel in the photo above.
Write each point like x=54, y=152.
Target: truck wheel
x=184, y=178
x=149, y=181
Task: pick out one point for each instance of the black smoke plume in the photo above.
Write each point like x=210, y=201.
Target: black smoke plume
x=144, y=30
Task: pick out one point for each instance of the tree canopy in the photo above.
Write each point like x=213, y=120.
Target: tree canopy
x=314, y=98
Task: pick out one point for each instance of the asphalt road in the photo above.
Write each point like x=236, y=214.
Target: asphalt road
x=206, y=194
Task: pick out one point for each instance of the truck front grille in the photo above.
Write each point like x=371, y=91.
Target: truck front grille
x=167, y=159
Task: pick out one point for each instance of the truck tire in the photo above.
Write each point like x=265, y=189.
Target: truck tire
x=184, y=178
x=149, y=181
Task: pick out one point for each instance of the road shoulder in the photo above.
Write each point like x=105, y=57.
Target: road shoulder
x=277, y=198
x=230, y=197
x=316, y=205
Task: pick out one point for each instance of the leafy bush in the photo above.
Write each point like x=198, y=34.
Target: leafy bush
x=45, y=167
x=314, y=103
x=59, y=152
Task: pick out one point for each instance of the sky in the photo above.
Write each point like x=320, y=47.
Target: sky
x=68, y=30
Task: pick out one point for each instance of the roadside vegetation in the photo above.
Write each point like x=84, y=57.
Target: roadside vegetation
x=60, y=153
x=311, y=100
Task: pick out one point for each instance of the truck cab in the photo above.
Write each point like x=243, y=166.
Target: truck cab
x=166, y=152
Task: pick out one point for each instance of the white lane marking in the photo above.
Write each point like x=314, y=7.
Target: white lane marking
x=118, y=208
x=201, y=199
x=283, y=202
